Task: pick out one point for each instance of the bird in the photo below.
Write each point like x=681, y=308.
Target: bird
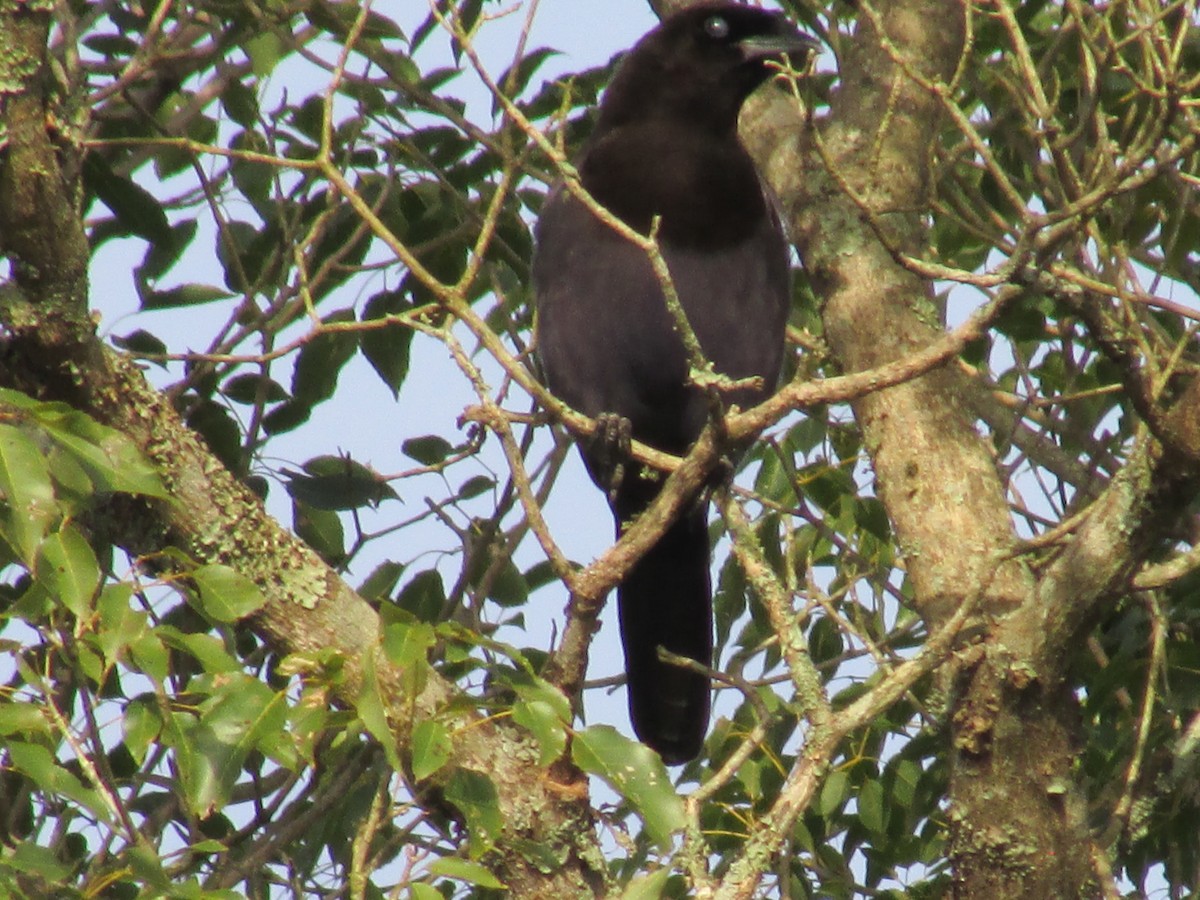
x=664, y=153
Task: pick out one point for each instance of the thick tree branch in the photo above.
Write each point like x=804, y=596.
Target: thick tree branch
x=935, y=473
x=856, y=192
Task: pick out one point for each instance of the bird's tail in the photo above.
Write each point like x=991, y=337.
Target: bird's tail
x=666, y=599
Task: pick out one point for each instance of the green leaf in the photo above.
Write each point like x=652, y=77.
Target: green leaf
x=408, y=643
x=26, y=492
x=265, y=49
x=141, y=725
x=475, y=486
x=833, y=793
x=67, y=568
x=515, y=79
x=135, y=208
x=286, y=417
x=537, y=690
x=904, y=782
x=22, y=718
x=387, y=349
x=543, y=710
x=635, y=772
x=430, y=748
x=870, y=806
x=321, y=360
x=870, y=514
x=226, y=595
x=254, y=179
x=240, y=102
x=371, y=712
x=419, y=891
x=200, y=758
x=215, y=423
x=542, y=720
x=245, y=715
x=429, y=450
x=141, y=343
x=383, y=579
x=474, y=795
x=183, y=295
x=508, y=587
x=239, y=251
x=71, y=483
x=649, y=887
x=40, y=765
x=210, y=653
x=465, y=870
x=120, y=625
x=150, y=655
x=424, y=596
x=160, y=258
x=40, y=863
x=111, y=460
x=147, y=866
x=251, y=389
x=211, y=748
x=320, y=529
x=338, y=483
x=111, y=45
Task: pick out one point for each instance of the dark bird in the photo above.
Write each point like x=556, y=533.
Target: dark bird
x=665, y=145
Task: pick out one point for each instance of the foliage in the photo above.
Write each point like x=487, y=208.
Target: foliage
x=348, y=212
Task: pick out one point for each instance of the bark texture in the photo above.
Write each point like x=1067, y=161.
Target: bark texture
x=857, y=195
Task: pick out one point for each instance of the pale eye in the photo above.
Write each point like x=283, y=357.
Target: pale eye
x=716, y=27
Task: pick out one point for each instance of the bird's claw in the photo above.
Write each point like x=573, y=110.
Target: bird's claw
x=611, y=446
x=723, y=472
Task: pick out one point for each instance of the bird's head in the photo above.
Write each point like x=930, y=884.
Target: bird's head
x=700, y=64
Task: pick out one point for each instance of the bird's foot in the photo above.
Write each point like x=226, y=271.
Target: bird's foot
x=610, y=449
x=718, y=480
x=721, y=476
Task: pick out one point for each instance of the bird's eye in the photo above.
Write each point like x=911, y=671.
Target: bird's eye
x=716, y=27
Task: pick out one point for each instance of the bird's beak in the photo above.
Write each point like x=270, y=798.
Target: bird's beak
x=800, y=47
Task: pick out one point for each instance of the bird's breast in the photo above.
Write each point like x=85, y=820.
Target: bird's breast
x=702, y=187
